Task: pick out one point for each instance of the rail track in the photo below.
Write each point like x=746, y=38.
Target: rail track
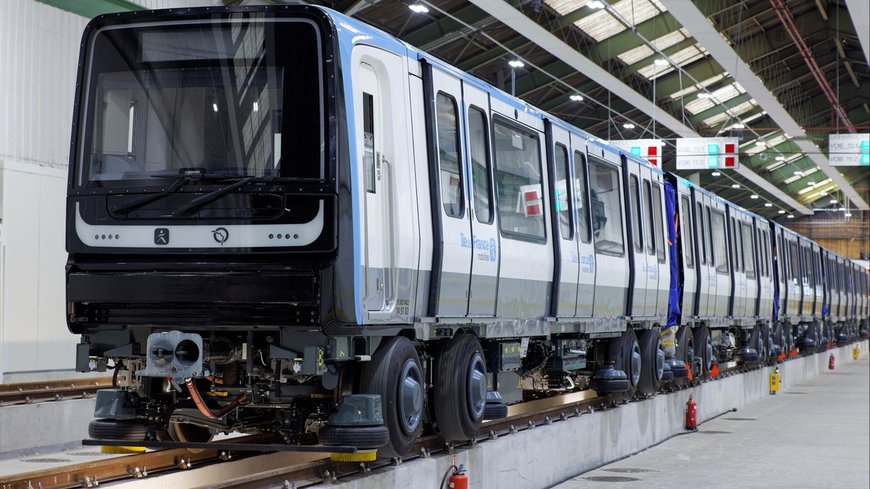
x=55, y=390
x=300, y=470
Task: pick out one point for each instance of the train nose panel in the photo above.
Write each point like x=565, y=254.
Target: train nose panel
x=173, y=354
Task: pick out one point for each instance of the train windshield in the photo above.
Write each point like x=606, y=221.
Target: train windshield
x=233, y=98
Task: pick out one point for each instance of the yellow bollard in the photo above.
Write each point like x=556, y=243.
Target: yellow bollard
x=855, y=353
x=775, y=379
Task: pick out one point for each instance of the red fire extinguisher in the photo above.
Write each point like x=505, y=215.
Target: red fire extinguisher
x=831, y=362
x=691, y=414
x=458, y=480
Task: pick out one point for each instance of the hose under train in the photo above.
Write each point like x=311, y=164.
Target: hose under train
x=204, y=410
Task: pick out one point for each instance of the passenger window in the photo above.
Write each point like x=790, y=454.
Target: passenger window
x=736, y=246
x=369, y=142
x=561, y=195
x=478, y=137
x=720, y=256
x=711, y=258
x=580, y=200
x=810, y=272
x=686, y=232
x=657, y=222
x=605, y=197
x=518, y=182
x=793, y=258
x=648, y=215
x=748, y=251
x=633, y=190
x=448, y=155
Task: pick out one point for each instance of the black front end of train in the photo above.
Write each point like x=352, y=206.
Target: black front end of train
x=202, y=220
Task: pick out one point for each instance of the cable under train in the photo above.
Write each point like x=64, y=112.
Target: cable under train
x=281, y=219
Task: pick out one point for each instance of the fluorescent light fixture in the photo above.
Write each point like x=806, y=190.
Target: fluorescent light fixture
x=703, y=94
x=735, y=185
x=760, y=143
x=780, y=158
x=715, y=174
x=661, y=62
x=823, y=193
x=515, y=63
x=799, y=173
x=810, y=183
x=842, y=209
x=628, y=125
x=832, y=201
x=753, y=196
x=781, y=211
x=739, y=125
x=256, y=107
x=768, y=204
x=848, y=214
x=576, y=98
x=790, y=216
x=596, y=5
x=418, y=8
x=214, y=106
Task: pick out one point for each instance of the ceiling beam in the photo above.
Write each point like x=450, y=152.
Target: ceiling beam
x=701, y=29
x=859, y=10
x=526, y=27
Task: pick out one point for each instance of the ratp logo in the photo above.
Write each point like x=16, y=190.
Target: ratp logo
x=493, y=249
x=161, y=236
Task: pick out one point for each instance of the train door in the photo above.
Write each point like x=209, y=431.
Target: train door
x=751, y=267
x=608, y=218
x=585, y=247
x=686, y=232
x=567, y=253
x=738, y=289
x=649, y=269
x=637, y=203
x=704, y=269
x=372, y=105
x=718, y=241
x=484, y=231
x=663, y=273
x=449, y=296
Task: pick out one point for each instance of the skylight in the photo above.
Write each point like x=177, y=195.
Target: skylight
x=795, y=178
x=736, y=111
x=563, y=7
x=693, y=88
x=661, y=43
x=602, y=24
x=681, y=58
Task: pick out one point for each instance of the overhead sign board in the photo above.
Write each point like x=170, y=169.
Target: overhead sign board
x=649, y=149
x=849, y=149
x=707, y=153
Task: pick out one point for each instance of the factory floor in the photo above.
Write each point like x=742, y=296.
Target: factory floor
x=812, y=435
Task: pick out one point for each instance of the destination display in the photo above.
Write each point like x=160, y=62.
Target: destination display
x=707, y=153
x=849, y=149
x=649, y=149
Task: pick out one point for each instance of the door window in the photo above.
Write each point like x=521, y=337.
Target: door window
x=657, y=222
x=633, y=191
x=580, y=201
x=478, y=137
x=605, y=197
x=448, y=155
x=686, y=232
x=561, y=194
x=518, y=180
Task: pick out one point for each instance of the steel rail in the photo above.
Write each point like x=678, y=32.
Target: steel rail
x=55, y=390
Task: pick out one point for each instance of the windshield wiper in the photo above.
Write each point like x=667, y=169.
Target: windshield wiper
x=212, y=196
x=185, y=176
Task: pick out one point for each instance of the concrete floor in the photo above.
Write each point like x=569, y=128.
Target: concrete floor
x=815, y=434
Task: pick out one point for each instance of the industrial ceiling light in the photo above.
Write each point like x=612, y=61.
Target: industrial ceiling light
x=823, y=193
x=832, y=201
x=810, y=183
x=780, y=158
x=628, y=125
x=768, y=204
x=753, y=196
x=790, y=216
x=515, y=63
x=761, y=143
x=799, y=173
x=781, y=211
x=661, y=62
x=735, y=185
x=848, y=214
x=705, y=95
x=418, y=8
x=715, y=174
x=576, y=98
x=739, y=125
x=596, y=5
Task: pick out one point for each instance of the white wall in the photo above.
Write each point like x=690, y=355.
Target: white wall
x=33, y=332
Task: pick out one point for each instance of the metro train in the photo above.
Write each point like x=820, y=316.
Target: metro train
x=282, y=219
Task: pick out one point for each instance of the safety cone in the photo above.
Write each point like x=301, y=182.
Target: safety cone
x=781, y=357
x=714, y=370
x=793, y=352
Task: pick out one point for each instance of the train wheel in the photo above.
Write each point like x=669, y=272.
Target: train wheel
x=767, y=336
x=460, y=388
x=780, y=338
x=653, y=361
x=756, y=342
x=395, y=373
x=703, y=349
x=625, y=353
x=189, y=433
x=686, y=351
x=117, y=429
